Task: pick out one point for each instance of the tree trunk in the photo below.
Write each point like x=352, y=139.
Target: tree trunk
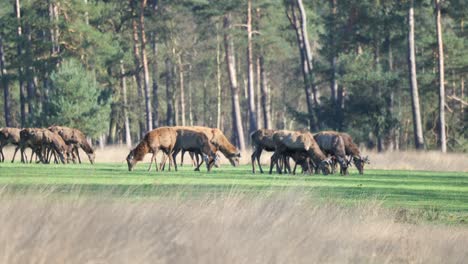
x=20, y=68
x=231, y=68
x=440, y=44
x=265, y=98
x=4, y=82
x=136, y=58
x=182, y=90
x=333, y=62
x=394, y=144
x=218, y=79
x=155, y=81
x=169, y=94
x=123, y=86
x=305, y=66
x=250, y=73
x=307, y=50
x=258, y=94
x=148, y=108
x=189, y=86
x=417, y=123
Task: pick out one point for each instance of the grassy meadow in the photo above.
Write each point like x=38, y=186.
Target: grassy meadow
x=442, y=195
x=102, y=213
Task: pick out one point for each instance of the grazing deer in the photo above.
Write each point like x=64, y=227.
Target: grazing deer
x=331, y=142
x=76, y=138
x=196, y=142
x=262, y=139
x=163, y=138
x=354, y=154
x=295, y=141
x=219, y=140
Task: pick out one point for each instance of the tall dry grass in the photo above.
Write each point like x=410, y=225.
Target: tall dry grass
x=227, y=228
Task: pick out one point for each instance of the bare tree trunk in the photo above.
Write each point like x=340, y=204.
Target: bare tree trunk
x=123, y=86
x=169, y=94
x=20, y=68
x=155, y=81
x=258, y=94
x=136, y=57
x=291, y=13
x=334, y=81
x=250, y=73
x=440, y=44
x=189, y=85
x=417, y=124
x=265, y=98
x=4, y=82
x=148, y=107
x=231, y=68
x=218, y=79
x=394, y=134
x=307, y=50
x=182, y=90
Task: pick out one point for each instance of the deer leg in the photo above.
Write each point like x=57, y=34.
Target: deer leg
x=199, y=161
x=182, y=158
x=77, y=154
x=153, y=158
x=173, y=156
x=252, y=159
x=272, y=161
x=259, y=154
x=14, y=154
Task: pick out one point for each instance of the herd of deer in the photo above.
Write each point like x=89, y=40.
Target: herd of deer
x=62, y=143
x=319, y=152
x=313, y=152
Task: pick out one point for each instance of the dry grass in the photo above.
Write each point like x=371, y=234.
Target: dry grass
x=228, y=228
x=404, y=160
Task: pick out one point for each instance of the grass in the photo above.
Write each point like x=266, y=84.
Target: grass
x=105, y=214
x=421, y=192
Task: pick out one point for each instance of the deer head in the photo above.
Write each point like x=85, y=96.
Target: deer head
x=235, y=159
x=131, y=161
x=360, y=162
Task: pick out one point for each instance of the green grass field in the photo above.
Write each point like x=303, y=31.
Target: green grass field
x=439, y=196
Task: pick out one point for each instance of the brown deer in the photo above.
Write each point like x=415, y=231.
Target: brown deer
x=30, y=138
x=353, y=152
x=54, y=145
x=196, y=142
x=331, y=143
x=163, y=138
x=76, y=138
x=9, y=135
x=295, y=141
x=219, y=140
x=262, y=139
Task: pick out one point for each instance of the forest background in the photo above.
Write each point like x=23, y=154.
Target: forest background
x=390, y=73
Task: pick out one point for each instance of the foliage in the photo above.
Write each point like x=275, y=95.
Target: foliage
x=75, y=99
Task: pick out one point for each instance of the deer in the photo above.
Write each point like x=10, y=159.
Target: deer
x=162, y=138
x=295, y=141
x=354, y=154
x=219, y=140
x=261, y=139
x=197, y=142
x=331, y=143
x=9, y=135
x=75, y=138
